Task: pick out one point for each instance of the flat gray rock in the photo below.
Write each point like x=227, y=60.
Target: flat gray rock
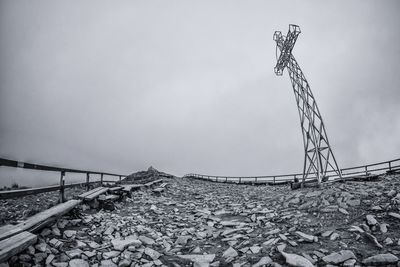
x=339, y=257
x=208, y=258
x=371, y=220
x=381, y=259
x=107, y=263
x=394, y=215
x=152, y=253
x=111, y=254
x=146, y=240
x=263, y=261
x=230, y=254
x=69, y=234
x=294, y=259
x=78, y=263
x=306, y=237
x=120, y=244
x=74, y=253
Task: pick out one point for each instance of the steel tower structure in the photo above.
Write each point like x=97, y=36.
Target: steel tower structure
x=319, y=158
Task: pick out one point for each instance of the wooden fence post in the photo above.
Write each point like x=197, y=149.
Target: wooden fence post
x=274, y=180
x=101, y=179
x=120, y=179
x=366, y=170
x=87, y=181
x=62, y=184
x=390, y=165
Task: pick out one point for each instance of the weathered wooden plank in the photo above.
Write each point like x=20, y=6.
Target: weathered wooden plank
x=127, y=188
x=10, y=231
x=6, y=228
x=16, y=244
x=131, y=187
x=116, y=188
x=84, y=195
x=148, y=184
x=158, y=189
x=153, y=182
x=108, y=197
x=41, y=219
x=96, y=194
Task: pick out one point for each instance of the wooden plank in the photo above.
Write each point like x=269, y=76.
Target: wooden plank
x=6, y=228
x=116, y=188
x=16, y=244
x=131, y=187
x=148, y=184
x=127, y=188
x=83, y=195
x=159, y=189
x=96, y=194
x=41, y=219
x=153, y=182
x=158, y=181
x=108, y=197
x=10, y=231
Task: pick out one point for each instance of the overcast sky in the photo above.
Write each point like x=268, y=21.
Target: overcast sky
x=189, y=86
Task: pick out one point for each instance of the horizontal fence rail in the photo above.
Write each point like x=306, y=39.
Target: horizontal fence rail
x=60, y=187
x=369, y=169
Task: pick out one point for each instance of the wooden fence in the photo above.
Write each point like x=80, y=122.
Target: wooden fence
x=60, y=187
x=375, y=168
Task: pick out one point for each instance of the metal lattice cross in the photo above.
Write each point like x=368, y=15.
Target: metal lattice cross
x=319, y=160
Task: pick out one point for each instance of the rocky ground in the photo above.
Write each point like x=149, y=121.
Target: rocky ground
x=198, y=223
x=15, y=210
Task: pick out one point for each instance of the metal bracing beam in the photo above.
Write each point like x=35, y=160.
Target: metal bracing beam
x=319, y=158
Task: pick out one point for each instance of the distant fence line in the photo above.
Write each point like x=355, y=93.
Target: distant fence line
x=61, y=186
x=390, y=165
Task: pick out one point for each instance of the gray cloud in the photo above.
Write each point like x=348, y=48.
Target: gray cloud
x=188, y=86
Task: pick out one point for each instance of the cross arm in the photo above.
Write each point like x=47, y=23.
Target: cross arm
x=285, y=45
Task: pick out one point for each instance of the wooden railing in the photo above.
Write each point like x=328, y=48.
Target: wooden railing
x=368, y=169
x=60, y=187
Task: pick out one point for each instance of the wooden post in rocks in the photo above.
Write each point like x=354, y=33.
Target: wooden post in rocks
x=87, y=181
x=62, y=184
